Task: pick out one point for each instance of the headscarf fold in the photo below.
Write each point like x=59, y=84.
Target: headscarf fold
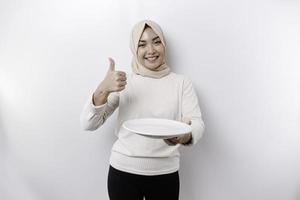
x=137, y=67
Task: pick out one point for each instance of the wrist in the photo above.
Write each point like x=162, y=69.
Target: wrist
x=101, y=93
x=100, y=97
x=101, y=90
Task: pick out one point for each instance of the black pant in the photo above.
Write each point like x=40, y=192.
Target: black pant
x=127, y=186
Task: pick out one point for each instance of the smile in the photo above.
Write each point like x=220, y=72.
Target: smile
x=153, y=58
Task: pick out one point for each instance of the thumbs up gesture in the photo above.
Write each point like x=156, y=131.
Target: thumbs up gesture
x=114, y=81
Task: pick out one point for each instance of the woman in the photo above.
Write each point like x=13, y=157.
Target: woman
x=142, y=166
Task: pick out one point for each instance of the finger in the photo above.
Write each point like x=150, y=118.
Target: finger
x=122, y=83
x=121, y=88
x=111, y=64
x=173, y=140
x=181, y=140
x=185, y=138
x=121, y=78
x=169, y=142
x=121, y=73
x=187, y=120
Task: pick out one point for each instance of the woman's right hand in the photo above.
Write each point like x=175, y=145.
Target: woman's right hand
x=114, y=81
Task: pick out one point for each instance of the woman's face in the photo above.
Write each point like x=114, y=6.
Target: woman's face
x=151, y=51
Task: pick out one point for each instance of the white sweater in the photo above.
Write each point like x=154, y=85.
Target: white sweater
x=170, y=97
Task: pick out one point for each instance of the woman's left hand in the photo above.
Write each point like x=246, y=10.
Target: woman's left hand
x=181, y=139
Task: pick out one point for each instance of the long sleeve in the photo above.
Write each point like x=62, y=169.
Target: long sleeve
x=191, y=109
x=92, y=117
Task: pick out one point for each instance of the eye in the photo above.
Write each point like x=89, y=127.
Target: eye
x=141, y=45
x=157, y=42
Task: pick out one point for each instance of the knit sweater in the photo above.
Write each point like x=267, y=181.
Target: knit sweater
x=170, y=97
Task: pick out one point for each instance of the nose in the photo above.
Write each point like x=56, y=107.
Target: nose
x=151, y=49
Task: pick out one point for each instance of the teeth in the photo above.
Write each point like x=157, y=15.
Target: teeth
x=151, y=58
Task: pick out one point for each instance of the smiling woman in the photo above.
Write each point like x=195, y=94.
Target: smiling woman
x=151, y=51
x=142, y=166
x=148, y=47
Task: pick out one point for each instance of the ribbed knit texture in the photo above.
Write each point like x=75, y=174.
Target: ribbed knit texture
x=170, y=97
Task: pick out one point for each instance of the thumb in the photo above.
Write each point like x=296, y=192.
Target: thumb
x=111, y=64
x=187, y=120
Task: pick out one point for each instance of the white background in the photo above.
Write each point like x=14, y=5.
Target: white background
x=242, y=56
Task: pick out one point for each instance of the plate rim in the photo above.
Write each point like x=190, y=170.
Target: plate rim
x=157, y=136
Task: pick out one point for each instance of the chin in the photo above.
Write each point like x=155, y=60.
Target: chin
x=152, y=67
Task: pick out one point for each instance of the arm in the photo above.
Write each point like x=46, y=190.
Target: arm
x=191, y=110
x=105, y=99
x=92, y=117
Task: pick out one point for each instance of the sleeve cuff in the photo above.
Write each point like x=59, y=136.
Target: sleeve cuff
x=197, y=132
x=96, y=109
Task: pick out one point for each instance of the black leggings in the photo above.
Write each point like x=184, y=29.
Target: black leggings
x=127, y=186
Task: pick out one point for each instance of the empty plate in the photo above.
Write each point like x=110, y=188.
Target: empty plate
x=157, y=128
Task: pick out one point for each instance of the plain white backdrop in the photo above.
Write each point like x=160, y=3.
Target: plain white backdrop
x=243, y=57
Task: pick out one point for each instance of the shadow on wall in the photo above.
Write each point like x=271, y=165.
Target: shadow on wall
x=3, y=154
x=3, y=138
x=171, y=55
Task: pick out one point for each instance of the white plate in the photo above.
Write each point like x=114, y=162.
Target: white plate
x=157, y=128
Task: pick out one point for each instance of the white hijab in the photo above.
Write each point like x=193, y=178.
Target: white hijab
x=137, y=67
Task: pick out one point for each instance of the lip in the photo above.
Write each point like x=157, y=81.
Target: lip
x=151, y=58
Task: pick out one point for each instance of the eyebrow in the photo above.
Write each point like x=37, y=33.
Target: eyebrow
x=152, y=39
